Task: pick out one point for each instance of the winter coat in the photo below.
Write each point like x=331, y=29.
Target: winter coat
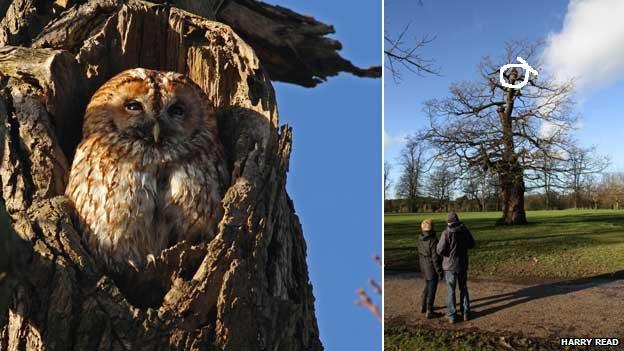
x=430, y=262
x=453, y=246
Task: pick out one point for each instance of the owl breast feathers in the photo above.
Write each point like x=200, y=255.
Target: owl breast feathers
x=149, y=171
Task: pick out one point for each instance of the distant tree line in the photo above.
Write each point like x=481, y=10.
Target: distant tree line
x=603, y=190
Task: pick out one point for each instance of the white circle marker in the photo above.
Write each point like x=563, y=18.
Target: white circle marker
x=523, y=64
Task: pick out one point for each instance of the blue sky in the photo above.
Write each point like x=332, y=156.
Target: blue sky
x=335, y=173
x=465, y=31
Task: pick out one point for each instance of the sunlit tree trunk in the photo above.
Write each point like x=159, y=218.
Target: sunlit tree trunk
x=246, y=289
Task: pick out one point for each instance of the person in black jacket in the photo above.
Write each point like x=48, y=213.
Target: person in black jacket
x=454, y=243
x=430, y=265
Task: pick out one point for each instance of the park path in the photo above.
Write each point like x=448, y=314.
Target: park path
x=590, y=307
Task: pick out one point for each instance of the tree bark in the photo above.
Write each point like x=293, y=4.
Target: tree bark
x=293, y=48
x=512, y=196
x=511, y=173
x=246, y=289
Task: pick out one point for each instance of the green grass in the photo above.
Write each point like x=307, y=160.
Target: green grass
x=556, y=244
x=404, y=338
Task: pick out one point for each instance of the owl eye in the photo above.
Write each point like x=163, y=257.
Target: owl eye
x=176, y=110
x=133, y=106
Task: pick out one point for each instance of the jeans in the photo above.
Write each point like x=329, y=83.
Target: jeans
x=428, y=294
x=461, y=279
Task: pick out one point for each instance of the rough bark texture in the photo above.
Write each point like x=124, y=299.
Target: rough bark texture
x=247, y=289
x=293, y=48
x=512, y=197
x=511, y=173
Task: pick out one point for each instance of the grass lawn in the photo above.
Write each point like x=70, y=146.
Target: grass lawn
x=556, y=244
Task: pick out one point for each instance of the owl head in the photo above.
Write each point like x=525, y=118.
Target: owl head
x=153, y=109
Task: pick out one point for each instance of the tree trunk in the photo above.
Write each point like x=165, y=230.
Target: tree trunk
x=547, y=189
x=510, y=171
x=413, y=205
x=512, y=196
x=547, y=198
x=246, y=289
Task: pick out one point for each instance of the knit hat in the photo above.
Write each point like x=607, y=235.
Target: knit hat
x=426, y=225
x=452, y=217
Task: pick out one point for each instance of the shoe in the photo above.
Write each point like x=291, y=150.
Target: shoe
x=452, y=319
x=466, y=317
x=423, y=310
x=431, y=315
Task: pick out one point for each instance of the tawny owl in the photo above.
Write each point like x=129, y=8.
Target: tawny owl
x=149, y=170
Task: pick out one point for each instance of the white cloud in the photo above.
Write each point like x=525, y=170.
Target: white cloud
x=391, y=140
x=548, y=130
x=590, y=46
x=386, y=139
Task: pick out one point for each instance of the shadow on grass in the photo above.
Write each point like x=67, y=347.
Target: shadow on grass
x=531, y=293
x=606, y=218
x=538, y=249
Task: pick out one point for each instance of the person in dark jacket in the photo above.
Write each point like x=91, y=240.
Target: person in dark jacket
x=453, y=246
x=430, y=266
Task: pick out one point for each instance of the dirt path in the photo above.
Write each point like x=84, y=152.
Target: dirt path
x=592, y=307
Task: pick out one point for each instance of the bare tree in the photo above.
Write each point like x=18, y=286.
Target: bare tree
x=479, y=187
x=549, y=181
x=412, y=160
x=440, y=185
x=387, y=180
x=584, y=163
x=547, y=174
x=591, y=190
x=611, y=190
x=400, y=55
x=503, y=130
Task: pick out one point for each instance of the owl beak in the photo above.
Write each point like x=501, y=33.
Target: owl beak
x=156, y=132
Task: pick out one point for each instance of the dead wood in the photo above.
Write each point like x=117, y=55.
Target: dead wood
x=248, y=289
